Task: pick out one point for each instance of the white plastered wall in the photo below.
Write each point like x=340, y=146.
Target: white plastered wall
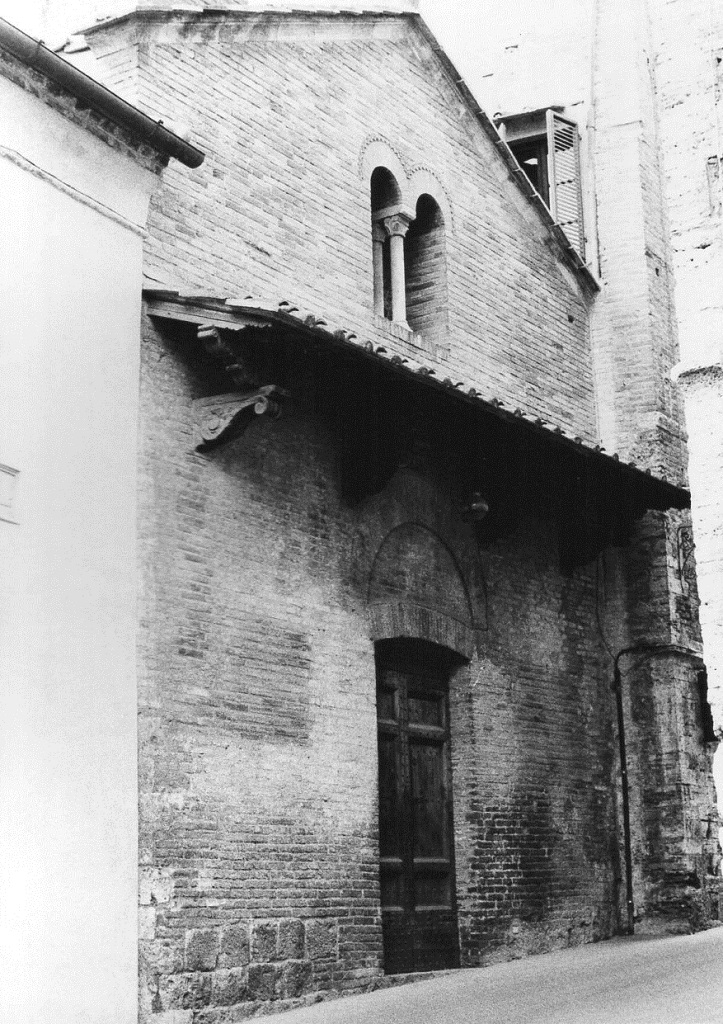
x=72, y=210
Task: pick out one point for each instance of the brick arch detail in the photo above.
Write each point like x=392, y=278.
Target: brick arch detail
x=379, y=152
x=423, y=180
x=410, y=499
x=391, y=620
x=421, y=537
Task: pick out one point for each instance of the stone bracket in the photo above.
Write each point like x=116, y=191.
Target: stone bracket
x=219, y=347
x=223, y=416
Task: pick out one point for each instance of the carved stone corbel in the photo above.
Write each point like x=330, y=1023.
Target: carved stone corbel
x=224, y=416
x=220, y=348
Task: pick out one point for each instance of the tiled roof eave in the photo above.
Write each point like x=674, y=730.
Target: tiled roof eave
x=237, y=314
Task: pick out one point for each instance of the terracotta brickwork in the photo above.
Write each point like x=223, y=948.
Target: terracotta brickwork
x=258, y=748
x=281, y=206
x=265, y=587
x=639, y=86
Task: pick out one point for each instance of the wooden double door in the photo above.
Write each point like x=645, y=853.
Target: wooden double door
x=416, y=839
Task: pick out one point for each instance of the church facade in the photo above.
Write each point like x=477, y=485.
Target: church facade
x=420, y=680
x=391, y=581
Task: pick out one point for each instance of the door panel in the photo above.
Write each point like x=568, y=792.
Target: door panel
x=419, y=916
x=429, y=825
x=390, y=839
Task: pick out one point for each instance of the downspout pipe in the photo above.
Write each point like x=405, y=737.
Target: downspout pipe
x=627, y=845
x=33, y=53
x=617, y=688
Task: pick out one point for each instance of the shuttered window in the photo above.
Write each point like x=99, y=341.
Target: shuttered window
x=563, y=162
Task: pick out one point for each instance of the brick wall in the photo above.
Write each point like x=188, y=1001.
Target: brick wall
x=536, y=853
x=279, y=208
x=635, y=331
x=598, y=61
x=258, y=749
x=257, y=718
x=258, y=730
x=635, y=80
x=426, y=277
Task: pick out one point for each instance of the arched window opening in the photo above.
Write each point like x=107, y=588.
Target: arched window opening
x=384, y=189
x=426, y=272
x=389, y=226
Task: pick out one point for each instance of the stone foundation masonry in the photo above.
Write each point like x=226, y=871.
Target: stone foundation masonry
x=230, y=973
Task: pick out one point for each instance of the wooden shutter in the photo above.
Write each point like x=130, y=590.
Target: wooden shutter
x=563, y=159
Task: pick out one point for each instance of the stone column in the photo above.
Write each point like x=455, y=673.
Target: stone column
x=396, y=228
x=378, y=236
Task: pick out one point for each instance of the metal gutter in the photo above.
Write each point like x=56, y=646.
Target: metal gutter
x=33, y=53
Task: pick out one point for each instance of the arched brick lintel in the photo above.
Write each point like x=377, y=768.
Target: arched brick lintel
x=378, y=152
x=395, y=619
x=422, y=180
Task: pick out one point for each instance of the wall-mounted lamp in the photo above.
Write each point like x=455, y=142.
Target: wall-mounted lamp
x=477, y=508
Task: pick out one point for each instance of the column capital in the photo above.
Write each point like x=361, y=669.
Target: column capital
x=397, y=224
x=390, y=211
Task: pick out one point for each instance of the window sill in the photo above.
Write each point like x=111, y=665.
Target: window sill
x=397, y=330
x=436, y=350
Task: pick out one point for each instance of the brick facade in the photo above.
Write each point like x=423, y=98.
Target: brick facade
x=265, y=586
x=258, y=717
x=282, y=205
x=639, y=80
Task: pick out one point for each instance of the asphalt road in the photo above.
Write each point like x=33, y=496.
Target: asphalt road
x=672, y=980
